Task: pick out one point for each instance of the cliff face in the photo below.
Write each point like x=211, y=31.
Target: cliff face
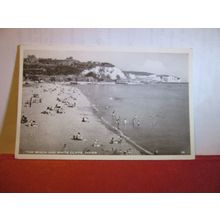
x=70, y=69
x=151, y=77
x=112, y=73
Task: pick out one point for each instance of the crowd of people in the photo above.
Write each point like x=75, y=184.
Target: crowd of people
x=65, y=98
x=27, y=122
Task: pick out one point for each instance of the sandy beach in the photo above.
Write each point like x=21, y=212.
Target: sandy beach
x=61, y=120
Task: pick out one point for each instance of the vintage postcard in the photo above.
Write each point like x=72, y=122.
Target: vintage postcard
x=104, y=103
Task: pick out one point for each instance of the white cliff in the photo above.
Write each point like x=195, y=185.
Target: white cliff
x=112, y=72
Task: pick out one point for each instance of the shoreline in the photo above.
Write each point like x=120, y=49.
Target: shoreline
x=114, y=129
x=125, y=83
x=119, y=132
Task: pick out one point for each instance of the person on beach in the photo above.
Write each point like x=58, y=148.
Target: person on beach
x=134, y=120
x=77, y=137
x=118, y=123
x=24, y=119
x=26, y=104
x=33, y=123
x=96, y=144
x=125, y=122
x=30, y=102
x=156, y=152
x=112, y=141
x=113, y=117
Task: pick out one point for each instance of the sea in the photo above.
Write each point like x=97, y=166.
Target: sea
x=155, y=116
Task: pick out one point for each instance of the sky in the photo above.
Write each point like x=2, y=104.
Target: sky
x=160, y=63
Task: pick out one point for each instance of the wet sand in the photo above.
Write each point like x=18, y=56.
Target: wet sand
x=53, y=132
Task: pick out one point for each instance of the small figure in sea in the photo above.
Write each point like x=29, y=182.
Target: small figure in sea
x=134, y=120
x=125, y=122
x=31, y=123
x=138, y=123
x=113, y=114
x=118, y=123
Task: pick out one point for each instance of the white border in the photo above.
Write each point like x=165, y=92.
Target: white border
x=103, y=157
x=94, y=206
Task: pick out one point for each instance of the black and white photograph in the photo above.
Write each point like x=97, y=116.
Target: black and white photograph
x=104, y=103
